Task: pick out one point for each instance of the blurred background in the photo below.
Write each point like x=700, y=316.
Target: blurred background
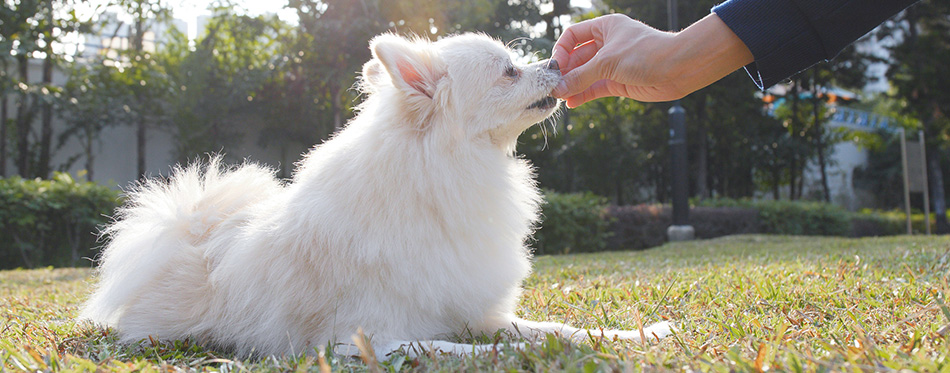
x=113, y=91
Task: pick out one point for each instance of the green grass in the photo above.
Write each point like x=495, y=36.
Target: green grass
x=741, y=303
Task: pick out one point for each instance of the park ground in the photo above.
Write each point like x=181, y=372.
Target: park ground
x=740, y=303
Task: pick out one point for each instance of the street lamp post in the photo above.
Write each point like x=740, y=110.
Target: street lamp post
x=680, y=230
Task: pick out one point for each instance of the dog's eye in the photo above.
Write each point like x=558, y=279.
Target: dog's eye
x=511, y=72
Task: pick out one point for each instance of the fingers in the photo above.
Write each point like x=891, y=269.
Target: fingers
x=600, y=88
x=578, y=80
x=575, y=34
x=610, y=88
x=581, y=55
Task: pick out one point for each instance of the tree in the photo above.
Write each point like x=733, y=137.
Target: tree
x=720, y=118
x=96, y=96
x=33, y=29
x=145, y=14
x=216, y=85
x=340, y=30
x=917, y=72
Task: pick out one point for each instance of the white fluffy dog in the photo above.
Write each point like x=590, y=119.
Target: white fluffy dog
x=410, y=224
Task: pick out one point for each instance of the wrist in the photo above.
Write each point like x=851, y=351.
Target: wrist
x=705, y=52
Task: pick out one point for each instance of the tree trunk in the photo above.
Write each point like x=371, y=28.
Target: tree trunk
x=46, y=129
x=3, y=136
x=794, y=126
x=819, y=138
x=801, y=180
x=24, y=119
x=937, y=197
x=776, y=179
x=140, y=131
x=140, y=147
x=792, y=178
x=822, y=166
x=702, y=163
x=336, y=106
x=90, y=156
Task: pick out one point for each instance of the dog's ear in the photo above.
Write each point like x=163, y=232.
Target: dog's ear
x=374, y=76
x=413, y=67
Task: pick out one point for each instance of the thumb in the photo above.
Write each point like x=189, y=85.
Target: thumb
x=578, y=80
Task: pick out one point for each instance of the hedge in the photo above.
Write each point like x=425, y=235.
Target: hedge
x=584, y=222
x=644, y=226
x=51, y=222
x=55, y=222
x=794, y=217
x=576, y=222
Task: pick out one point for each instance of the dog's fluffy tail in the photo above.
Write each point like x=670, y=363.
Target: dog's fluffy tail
x=163, y=219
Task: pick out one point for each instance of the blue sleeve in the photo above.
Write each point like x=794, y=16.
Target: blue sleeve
x=788, y=36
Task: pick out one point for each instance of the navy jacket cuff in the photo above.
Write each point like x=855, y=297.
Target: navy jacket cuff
x=780, y=48
x=788, y=36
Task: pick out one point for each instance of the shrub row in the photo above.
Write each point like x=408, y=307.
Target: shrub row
x=55, y=222
x=584, y=222
x=644, y=226
x=51, y=222
x=794, y=217
x=576, y=222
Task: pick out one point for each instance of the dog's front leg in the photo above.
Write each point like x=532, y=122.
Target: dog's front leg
x=382, y=349
x=418, y=348
x=536, y=329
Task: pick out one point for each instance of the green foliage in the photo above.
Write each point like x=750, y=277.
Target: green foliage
x=922, y=84
x=609, y=146
x=31, y=30
x=51, y=222
x=793, y=217
x=214, y=84
x=804, y=218
x=575, y=222
x=894, y=222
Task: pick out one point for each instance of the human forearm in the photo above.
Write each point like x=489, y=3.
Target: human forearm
x=705, y=52
x=617, y=56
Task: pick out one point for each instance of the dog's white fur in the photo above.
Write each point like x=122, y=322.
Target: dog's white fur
x=410, y=224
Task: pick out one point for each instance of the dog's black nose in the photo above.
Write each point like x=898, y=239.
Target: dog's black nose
x=552, y=65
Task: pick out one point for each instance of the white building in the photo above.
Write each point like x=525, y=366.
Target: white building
x=844, y=159
x=113, y=35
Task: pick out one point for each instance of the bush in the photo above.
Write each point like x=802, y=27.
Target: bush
x=869, y=222
x=575, y=222
x=794, y=217
x=712, y=222
x=638, y=227
x=51, y=222
x=570, y=222
x=644, y=226
x=804, y=218
x=872, y=225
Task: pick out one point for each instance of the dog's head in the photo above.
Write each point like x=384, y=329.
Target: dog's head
x=466, y=86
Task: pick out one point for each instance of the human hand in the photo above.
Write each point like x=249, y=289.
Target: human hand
x=614, y=55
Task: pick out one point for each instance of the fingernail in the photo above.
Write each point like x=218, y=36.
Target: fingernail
x=561, y=89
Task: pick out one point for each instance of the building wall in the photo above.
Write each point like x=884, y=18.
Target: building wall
x=845, y=158
x=115, y=154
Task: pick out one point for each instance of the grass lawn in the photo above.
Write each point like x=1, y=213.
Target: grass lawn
x=741, y=303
